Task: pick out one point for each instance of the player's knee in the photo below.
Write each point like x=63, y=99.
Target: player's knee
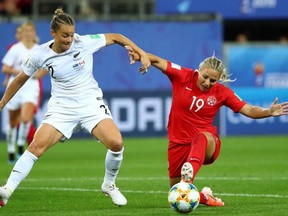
x=13, y=123
x=37, y=148
x=115, y=145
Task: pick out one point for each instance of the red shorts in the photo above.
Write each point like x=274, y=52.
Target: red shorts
x=178, y=154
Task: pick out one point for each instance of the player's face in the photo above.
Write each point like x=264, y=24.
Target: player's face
x=207, y=78
x=63, y=38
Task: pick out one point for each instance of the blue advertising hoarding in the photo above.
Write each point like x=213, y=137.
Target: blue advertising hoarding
x=237, y=124
x=135, y=113
x=228, y=9
x=261, y=73
x=145, y=113
x=258, y=65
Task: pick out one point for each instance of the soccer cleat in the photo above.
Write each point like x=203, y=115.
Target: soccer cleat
x=12, y=162
x=5, y=194
x=187, y=172
x=11, y=158
x=210, y=200
x=116, y=196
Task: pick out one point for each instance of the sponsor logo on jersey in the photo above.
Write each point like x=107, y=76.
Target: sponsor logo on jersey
x=95, y=36
x=175, y=66
x=76, y=55
x=79, y=65
x=48, y=64
x=211, y=100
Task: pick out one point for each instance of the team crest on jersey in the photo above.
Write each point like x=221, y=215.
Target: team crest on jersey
x=211, y=100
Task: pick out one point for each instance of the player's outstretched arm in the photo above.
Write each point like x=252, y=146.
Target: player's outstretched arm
x=156, y=61
x=8, y=70
x=257, y=112
x=13, y=88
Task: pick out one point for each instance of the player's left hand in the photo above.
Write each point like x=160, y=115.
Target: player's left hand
x=133, y=57
x=279, y=109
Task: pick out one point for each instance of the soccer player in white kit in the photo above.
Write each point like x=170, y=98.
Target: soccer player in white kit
x=76, y=100
x=26, y=98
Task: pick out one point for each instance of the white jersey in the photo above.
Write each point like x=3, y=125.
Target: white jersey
x=30, y=91
x=16, y=54
x=72, y=71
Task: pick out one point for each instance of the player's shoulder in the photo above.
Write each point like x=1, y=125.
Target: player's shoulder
x=221, y=85
x=44, y=47
x=83, y=38
x=222, y=89
x=41, y=51
x=16, y=47
x=80, y=40
x=176, y=67
x=78, y=37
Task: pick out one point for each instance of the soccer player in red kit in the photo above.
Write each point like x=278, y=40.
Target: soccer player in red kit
x=197, y=96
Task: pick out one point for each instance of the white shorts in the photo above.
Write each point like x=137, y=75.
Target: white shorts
x=29, y=92
x=69, y=116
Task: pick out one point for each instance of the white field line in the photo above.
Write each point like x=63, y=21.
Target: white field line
x=163, y=178
x=150, y=192
x=154, y=179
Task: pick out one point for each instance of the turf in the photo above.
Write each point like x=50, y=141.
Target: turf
x=250, y=175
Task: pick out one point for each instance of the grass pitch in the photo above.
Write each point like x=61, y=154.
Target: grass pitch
x=250, y=175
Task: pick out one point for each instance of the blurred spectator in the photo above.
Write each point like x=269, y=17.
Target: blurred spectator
x=8, y=8
x=85, y=8
x=2, y=7
x=242, y=38
x=283, y=39
x=24, y=6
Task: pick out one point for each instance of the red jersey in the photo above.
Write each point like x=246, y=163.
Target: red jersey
x=193, y=111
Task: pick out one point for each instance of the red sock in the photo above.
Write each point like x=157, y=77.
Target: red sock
x=203, y=199
x=197, y=153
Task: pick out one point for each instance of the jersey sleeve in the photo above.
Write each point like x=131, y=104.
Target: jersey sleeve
x=31, y=64
x=177, y=73
x=93, y=42
x=233, y=101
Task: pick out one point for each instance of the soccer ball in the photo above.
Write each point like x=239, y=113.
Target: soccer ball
x=183, y=197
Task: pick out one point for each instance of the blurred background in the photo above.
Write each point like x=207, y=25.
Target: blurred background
x=251, y=36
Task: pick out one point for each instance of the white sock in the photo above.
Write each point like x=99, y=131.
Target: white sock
x=21, y=169
x=113, y=162
x=23, y=133
x=11, y=139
